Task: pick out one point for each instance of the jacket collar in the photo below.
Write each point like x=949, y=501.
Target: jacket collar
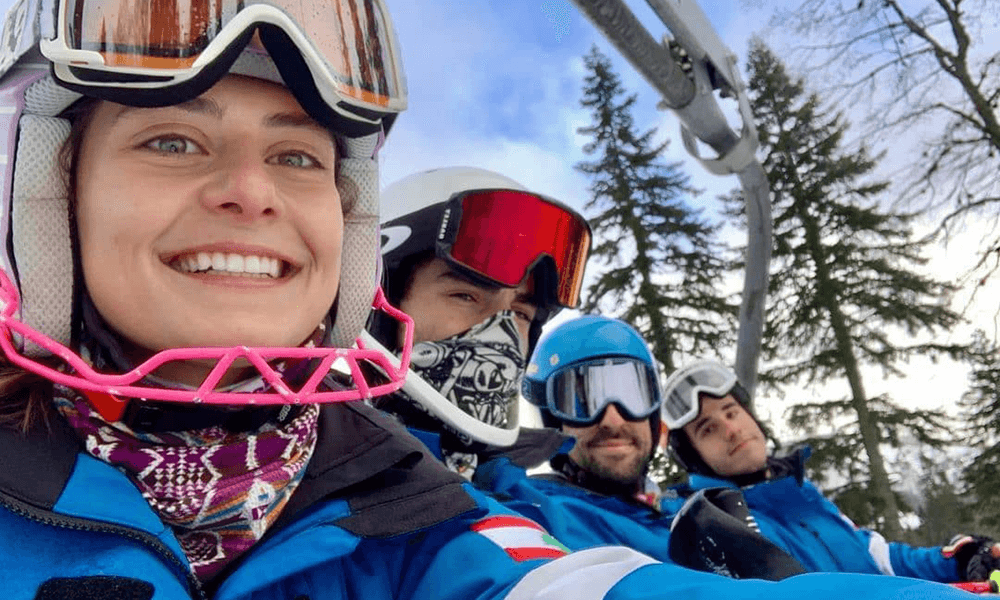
x=531, y=448
x=390, y=480
x=34, y=467
x=791, y=465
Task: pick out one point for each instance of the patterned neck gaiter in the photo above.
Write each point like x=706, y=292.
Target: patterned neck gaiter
x=479, y=371
x=218, y=490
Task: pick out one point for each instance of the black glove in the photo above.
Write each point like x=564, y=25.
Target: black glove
x=715, y=532
x=977, y=556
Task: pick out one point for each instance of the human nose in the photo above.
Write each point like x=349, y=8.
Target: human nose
x=503, y=299
x=732, y=429
x=508, y=300
x=612, y=418
x=242, y=188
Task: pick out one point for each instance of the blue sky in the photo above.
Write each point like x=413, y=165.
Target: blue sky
x=498, y=84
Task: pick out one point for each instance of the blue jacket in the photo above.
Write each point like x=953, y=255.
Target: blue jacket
x=375, y=517
x=588, y=522
x=578, y=517
x=794, y=514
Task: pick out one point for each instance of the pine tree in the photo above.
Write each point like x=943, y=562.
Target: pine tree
x=662, y=265
x=981, y=404
x=845, y=285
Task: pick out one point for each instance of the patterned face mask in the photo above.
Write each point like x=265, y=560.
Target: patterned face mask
x=478, y=370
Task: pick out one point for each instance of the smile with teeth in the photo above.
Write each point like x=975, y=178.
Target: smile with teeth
x=228, y=263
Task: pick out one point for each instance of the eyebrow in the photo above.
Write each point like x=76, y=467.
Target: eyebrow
x=202, y=106
x=452, y=275
x=211, y=108
x=527, y=298
x=296, y=120
x=702, y=421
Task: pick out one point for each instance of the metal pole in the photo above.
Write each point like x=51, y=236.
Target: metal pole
x=648, y=56
x=702, y=118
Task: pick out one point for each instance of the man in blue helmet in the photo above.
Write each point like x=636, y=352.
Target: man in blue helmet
x=719, y=441
x=595, y=378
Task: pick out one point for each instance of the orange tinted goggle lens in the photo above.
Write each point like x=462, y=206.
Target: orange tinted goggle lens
x=352, y=36
x=503, y=234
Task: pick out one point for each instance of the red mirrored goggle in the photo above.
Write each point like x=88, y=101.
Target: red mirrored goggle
x=503, y=234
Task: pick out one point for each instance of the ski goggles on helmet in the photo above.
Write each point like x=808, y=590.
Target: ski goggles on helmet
x=681, y=392
x=501, y=235
x=578, y=394
x=130, y=51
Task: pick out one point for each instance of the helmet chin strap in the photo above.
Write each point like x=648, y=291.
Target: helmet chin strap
x=439, y=406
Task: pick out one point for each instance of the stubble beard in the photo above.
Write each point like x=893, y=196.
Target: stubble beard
x=632, y=474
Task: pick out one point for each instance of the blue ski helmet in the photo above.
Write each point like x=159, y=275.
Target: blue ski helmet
x=588, y=363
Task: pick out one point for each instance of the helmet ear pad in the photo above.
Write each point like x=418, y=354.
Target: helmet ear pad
x=545, y=278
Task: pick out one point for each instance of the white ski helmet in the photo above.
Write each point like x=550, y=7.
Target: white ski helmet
x=493, y=230
x=490, y=228
x=345, y=72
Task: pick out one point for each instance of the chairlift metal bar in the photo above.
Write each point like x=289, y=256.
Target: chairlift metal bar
x=692, y=99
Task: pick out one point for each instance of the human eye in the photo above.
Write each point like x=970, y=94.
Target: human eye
x=299, y=160
x=463, y=296
x=172, y=144
x=525, y=312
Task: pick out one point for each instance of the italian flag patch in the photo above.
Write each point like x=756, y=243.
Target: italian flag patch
x=522, y=539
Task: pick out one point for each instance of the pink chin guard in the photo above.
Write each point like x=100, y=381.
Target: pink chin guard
x=84, y=378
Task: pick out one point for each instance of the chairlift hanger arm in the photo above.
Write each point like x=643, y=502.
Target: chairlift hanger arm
x=690, y=96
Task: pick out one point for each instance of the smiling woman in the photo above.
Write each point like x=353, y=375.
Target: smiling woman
x=243, y=180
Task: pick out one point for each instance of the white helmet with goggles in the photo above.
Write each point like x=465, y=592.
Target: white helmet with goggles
x=491, y=229
x=488, y=227
x=341, y=62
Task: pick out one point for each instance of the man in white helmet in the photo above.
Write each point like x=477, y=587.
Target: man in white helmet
x=480, y=263
x=715, y=436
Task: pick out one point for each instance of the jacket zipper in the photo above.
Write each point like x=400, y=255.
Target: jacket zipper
x=80, y=524
x=823, y=543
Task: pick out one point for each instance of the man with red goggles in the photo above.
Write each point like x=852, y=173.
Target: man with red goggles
x=480, y=263
x=719, y=441
x=488, y=229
